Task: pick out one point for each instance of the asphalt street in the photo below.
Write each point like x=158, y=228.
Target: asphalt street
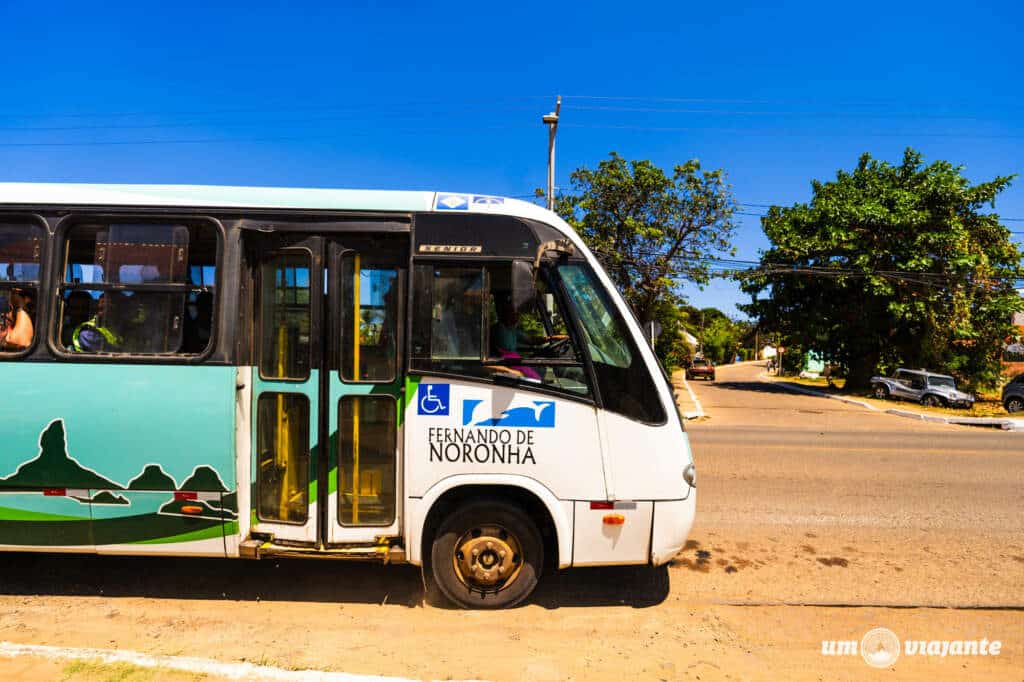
x=901, y=511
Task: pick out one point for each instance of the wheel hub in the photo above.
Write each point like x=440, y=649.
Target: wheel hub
x=487, y=558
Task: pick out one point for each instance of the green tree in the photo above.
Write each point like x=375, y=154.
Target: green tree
x=720, y=336
x=671, y=345
x=651, y=230
x=892, y=265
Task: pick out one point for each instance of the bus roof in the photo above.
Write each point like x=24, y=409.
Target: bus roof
x=22, y=194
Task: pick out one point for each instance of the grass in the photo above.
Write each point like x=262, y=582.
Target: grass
x=985, y=406
x=98, y=671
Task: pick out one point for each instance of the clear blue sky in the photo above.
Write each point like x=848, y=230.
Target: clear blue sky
x=418, y=97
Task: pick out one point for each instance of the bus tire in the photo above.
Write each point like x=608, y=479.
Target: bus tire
x=487, y=555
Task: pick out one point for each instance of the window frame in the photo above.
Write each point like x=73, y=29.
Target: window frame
x=572, y=325
x=39, y=326
x=57, y=285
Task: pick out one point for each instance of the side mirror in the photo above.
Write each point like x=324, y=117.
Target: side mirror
x=562, y=246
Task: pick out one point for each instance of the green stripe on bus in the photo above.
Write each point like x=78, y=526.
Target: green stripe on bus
x=230, y=528
x=10, y=514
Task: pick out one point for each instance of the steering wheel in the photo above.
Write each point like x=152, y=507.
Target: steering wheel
x=555, y=347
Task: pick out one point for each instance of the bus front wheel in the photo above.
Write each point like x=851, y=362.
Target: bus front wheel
x=487, y=555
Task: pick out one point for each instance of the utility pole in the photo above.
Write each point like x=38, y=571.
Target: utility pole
x=702, y=331
x=551, y=121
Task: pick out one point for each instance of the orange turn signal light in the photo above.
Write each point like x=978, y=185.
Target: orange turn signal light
x=191, y=509
x=614, y=519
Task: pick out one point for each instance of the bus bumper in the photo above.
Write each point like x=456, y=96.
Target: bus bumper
x=672, y=523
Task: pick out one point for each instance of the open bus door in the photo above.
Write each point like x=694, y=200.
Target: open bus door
x=327, y=387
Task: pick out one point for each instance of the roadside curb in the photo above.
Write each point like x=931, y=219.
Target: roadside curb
x=1004, y=424
x=810, y=391
x=693, y=414
x=992, y=422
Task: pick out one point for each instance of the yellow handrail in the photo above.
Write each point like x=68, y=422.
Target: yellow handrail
x=282, y=446
x=356, y=343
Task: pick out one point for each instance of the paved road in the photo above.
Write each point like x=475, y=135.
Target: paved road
x=845, y=505
x=814, y=519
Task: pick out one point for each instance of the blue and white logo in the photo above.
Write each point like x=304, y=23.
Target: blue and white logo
x=434, y=400
x=539, y=415
x=488, y=201
x=452, y=202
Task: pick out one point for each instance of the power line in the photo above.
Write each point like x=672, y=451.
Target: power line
x=373, y=111
x=751, y=269
x=707, y=100
x=374, y=104
x=370, y=106
x=754, y=214
x=785, y=133
x=755, y=112
x=368, y=117
x=236, y=140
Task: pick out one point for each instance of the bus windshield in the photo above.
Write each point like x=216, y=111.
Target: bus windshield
x=623, y=379
x=604, y=337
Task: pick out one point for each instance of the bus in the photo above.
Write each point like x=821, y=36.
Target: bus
x=444, y=379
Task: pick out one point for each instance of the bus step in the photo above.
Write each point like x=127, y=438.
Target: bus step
x=250, y=549
x=260, y=549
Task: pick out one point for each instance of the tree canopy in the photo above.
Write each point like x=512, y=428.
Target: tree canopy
x=721, y=337
x=651, y=230
x=892, y=265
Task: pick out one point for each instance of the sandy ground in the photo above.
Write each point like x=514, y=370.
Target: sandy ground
x=815, y=522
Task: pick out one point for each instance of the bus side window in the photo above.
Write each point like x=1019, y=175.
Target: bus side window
x=20, y=249
x=138, y=288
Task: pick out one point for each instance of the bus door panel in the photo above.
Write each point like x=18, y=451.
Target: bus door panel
x=365, y=389
x=286, y=391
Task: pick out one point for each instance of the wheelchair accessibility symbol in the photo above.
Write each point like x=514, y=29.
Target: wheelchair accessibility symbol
x=434, y=399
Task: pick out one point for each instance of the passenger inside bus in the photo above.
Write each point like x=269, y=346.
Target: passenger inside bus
x=76, y=311
x=16, y=328
x=93, y=335
x=198, y=327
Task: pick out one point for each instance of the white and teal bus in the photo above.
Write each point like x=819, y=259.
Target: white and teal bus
x=448, y=380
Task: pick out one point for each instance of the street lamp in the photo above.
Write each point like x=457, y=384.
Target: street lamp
x=551, y=121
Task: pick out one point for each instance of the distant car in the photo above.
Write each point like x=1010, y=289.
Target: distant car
x=701, y=368
x=927, y=388
x=1013, y=394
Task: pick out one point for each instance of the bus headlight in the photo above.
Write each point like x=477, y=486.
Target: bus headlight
x=690, y=475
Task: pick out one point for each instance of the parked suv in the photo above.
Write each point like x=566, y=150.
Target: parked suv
x=701, y=367
x=927, y=388
x=1013, y=394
